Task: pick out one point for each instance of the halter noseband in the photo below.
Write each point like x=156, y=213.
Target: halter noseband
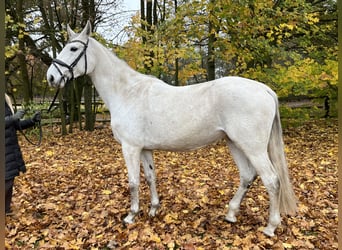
x=73, y=64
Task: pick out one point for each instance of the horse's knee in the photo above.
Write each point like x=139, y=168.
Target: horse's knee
x=134, y=191
x=247, y=182
x=133, y=188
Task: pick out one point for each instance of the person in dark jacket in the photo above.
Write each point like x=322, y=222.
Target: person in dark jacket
x=14, y=159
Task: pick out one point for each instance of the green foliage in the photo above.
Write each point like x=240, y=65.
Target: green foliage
x=283, y=44
x=33, y=107
x=304, y=77
x=302, y=114
x=289, y=45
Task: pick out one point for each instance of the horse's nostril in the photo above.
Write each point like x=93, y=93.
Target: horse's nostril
x=51, y=78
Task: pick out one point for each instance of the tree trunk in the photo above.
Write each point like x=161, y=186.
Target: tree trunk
x=62, y=111
x=89, y=114
x=177, y=59
x=22, y=55
x=143, y=19
x=89, y=14
x=149, y=7
x=211, y=41
x=327, y=106
x=148, y=19
x=69, y=105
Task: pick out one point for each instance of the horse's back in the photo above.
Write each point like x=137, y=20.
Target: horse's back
x=188, y=117
x=242, y=87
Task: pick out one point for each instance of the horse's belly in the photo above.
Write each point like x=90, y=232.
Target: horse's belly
x=189, y=140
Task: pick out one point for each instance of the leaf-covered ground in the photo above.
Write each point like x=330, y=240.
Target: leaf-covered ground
x=75, y=195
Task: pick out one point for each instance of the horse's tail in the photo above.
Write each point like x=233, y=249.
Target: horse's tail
x=287, y=199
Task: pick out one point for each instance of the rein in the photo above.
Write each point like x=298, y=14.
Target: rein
x=53, y=101
x=70, y=67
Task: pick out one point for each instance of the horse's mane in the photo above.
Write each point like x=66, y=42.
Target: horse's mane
x=112, y=54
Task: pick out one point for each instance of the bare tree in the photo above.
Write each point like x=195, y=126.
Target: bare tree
x=37, y=30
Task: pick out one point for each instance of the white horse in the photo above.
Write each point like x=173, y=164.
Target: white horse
x=148, y=114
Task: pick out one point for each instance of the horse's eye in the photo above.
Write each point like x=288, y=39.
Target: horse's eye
x=73, y=49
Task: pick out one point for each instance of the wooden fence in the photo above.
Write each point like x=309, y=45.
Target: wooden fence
x=315, y=107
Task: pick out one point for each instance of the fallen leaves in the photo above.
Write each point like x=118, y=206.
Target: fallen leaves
x=75, y=195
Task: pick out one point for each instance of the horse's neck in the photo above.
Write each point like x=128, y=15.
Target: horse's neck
x=111, y=75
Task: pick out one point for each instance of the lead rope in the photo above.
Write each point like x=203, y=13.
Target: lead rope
x=40, y=134
x=39, y=124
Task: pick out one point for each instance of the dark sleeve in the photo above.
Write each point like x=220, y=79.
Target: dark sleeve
x=24, y=124
x=9, y=121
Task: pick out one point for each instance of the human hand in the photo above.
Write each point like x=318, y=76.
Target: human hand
x=20, y=114
x=36, y=117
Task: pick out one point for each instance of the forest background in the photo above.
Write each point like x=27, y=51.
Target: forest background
x=289, y=45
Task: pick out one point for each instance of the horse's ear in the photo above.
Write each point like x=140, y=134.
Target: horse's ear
x=71, y=33
x=87, y=29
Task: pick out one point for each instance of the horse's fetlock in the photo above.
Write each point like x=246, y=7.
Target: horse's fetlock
x=133, y=187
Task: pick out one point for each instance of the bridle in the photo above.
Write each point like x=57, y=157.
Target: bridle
x=70, y=67
x=73, y=64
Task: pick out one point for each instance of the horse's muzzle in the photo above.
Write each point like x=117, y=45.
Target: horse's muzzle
x=51, y=80
x=56, y=84
x=56, y=81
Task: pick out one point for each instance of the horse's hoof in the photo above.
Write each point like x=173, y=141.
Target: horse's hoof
x=153, y=210
x=269, y=232
x=129, y=219
x=231, y=219
x=152, y=213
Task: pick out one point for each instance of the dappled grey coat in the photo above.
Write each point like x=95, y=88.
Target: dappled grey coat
x=14, y=159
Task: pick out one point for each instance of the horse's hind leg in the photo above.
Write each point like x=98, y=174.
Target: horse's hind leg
x=150, y=176
x=247, y=176
x=270, y=179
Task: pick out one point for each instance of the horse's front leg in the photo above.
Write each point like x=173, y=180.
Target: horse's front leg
x=132, y=159
x=150, y=176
